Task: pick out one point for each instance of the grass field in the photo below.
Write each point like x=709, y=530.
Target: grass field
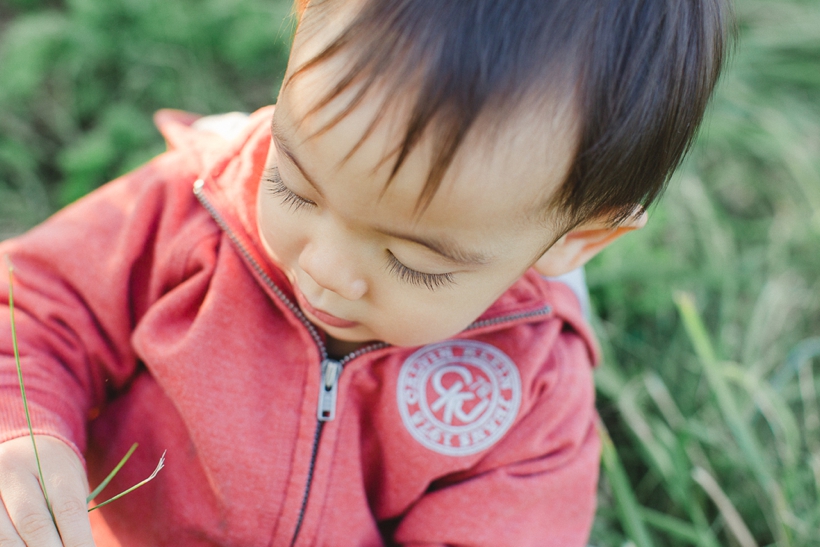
x=709, y=317
x=712, y=403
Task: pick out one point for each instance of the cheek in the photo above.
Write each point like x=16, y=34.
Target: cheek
x=416, y=319
x=279, y=231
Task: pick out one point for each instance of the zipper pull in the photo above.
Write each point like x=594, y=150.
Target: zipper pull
x=328, y=390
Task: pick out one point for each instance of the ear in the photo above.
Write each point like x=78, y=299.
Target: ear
x=579, y=245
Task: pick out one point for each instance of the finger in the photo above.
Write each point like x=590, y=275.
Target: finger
x=8, y=533
x=71, y=512
x=28, y=511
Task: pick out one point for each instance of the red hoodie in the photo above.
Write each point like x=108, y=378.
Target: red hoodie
x=148, y=312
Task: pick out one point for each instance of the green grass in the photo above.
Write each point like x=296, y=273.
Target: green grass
x=23, y=389
x=710, y=403
x=80, y=79
x=96, y=492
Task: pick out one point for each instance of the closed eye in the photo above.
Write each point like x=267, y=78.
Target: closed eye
x=276, y=187
x=413, y=277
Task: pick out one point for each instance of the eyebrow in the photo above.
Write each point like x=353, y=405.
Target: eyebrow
x=446, y=248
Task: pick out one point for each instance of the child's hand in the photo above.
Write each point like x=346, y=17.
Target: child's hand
x=26, y=520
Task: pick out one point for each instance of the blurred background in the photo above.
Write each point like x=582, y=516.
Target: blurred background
x=709, y=317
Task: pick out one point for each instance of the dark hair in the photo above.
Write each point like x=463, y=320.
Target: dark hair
x=640, y=73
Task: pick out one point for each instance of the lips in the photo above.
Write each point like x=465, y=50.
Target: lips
x=323, y=316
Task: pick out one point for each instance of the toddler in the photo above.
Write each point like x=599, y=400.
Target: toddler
x=331, y=321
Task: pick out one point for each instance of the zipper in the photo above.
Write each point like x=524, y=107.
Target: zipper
x=325, y=412
x=329, y=386
x=545, y=310
x=200, y=195
x=328, y=390
x=331, y=369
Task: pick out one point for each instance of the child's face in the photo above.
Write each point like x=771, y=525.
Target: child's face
x=365, y=265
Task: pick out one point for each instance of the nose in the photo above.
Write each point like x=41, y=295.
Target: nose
x=331, y=267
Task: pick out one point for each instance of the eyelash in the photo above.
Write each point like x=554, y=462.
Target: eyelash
x=277, y=188
x=407, y=275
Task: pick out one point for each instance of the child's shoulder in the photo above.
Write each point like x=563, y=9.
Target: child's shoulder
x=532, y=297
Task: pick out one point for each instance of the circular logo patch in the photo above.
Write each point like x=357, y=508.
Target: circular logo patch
x=458, y=397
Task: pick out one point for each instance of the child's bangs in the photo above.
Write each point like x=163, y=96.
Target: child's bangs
x=639, y=73
x=455, y=63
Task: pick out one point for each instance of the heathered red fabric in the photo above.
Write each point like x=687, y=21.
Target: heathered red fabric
x=141, y=319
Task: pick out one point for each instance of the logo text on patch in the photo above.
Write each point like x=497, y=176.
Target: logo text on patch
x=458, y=397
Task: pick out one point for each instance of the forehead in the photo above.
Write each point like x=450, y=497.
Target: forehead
x=527, y=151
x=504, y=172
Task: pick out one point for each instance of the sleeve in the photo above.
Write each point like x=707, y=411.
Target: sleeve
x=538, y=486
x=82, y=279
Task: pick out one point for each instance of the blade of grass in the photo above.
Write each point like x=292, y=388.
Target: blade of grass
x=676, y=527
x=811, y=422
x=121, y=494
x=635, y=417
x=23, y=387
x=111, y=475
x=774, y=409
x=731, y=413
x=733, y=519
x=625, y=500
x=31, y=429
x=797, y=358
x=610, y=383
